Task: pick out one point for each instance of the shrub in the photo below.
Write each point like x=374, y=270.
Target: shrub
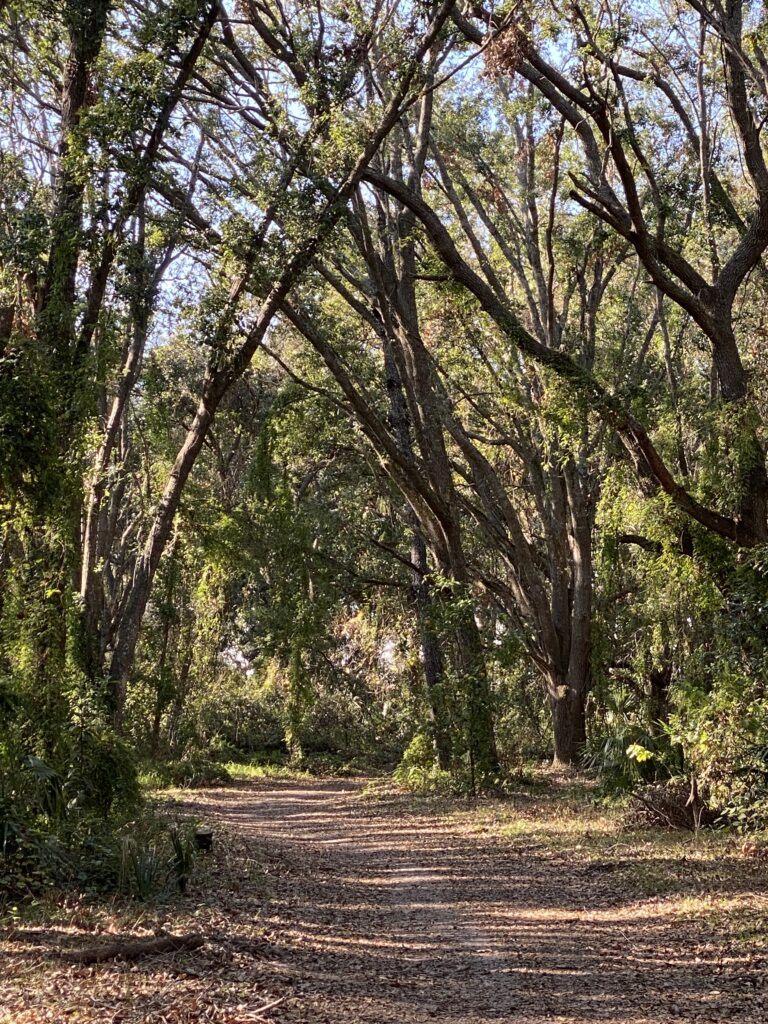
x=724, y=735
x=103, y=772
x=138, y=857
x=195, y=771
x=626, y=753
x=418, y=769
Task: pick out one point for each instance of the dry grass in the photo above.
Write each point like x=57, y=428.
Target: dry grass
x=714, y=876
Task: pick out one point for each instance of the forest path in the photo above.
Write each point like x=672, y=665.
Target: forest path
x=380, y=911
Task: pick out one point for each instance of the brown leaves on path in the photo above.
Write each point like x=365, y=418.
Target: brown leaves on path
x=323, y=906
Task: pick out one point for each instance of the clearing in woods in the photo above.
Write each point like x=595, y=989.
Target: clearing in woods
x=322, y=906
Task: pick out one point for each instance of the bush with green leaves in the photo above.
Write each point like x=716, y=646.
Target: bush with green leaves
x=419, y=771
x=523, y=725
x=626, y=750
x=719, y=702
x=138, y=856
x=65, y=818
x=724, y=732
x=103, y=771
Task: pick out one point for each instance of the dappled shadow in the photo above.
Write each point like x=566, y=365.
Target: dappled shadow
x=394, y=914
x=46, y=940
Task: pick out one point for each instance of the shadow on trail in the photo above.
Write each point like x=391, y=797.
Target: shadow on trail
x=393, y=916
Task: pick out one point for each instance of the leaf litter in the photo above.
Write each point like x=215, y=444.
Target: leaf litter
x=320, y=905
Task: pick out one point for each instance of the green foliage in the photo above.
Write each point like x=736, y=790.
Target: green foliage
x=523, y=726
x=721, y=710
x=142, y=869
x=195, y=771
x=140, y=856
x=182, y=857
x=26, y=424
x=104, y=771
x=418, y=770
x=60, y=813
x=153, y=862
x=627, y=751
x=698, y=623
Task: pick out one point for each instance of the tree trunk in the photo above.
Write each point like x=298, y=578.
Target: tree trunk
x=160, y=693
x=147, y=565
x=432, y=655
x=568, y=723
x=96, y=540
x=86, y=24
x=481, y=739
x=569, y=688
x=431, y=652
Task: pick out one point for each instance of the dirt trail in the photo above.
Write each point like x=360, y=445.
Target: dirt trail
x=378, y=914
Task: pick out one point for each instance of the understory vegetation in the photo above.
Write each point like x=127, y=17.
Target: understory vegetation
x=383, y=390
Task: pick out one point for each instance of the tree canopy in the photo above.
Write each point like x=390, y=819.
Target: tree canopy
x=387, y=382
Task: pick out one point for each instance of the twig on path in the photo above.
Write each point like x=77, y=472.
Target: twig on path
x=24, y=970
x=257, y=1014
